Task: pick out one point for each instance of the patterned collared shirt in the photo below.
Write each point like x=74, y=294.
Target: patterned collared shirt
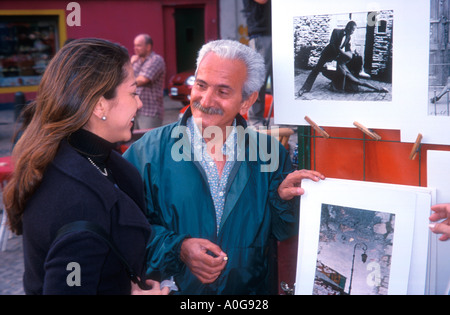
x=152, y=94
x=217, y=183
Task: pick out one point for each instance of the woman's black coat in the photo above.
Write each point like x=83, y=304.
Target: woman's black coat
x=72, y=189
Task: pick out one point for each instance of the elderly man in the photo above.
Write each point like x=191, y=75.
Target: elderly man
x=212, y=202
x=150, y=71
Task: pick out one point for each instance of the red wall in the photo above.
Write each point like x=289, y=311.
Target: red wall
x=121, y=20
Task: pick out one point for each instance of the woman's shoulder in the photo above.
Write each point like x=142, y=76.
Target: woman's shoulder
x=71, y=174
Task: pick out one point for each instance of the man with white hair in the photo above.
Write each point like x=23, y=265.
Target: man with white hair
x=214, y=197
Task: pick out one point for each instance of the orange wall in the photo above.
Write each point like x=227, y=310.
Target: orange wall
x=383, y=161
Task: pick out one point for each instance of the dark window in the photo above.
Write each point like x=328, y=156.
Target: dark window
x=27, y=43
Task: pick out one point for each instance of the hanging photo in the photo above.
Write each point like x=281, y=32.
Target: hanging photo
x=344, y=57
x=431, y=116
x=344, y=61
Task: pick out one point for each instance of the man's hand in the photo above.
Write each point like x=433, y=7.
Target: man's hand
x=441, y=212
x=205, y=259
x=291, y=186
x=134, y=58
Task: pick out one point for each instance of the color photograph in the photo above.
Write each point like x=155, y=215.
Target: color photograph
x=355, y=251
x=362, y=238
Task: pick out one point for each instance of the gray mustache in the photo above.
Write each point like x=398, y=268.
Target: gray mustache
x=208, y=111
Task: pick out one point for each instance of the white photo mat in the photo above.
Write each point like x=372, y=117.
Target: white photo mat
x=408, y=262
x=409, y=70
x=438, y=177
x=435, y=129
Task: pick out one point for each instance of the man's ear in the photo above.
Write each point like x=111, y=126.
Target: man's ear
x=248, y=103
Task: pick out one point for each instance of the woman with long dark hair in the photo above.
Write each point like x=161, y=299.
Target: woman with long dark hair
x=66, y=171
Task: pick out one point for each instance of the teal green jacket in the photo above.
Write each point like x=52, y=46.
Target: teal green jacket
x=180, y=205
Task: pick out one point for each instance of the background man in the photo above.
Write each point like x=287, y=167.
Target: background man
x=149, y=70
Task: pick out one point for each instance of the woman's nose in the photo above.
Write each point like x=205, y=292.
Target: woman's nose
x=140, y=104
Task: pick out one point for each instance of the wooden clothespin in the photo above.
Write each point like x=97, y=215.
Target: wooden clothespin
x=318, y=129
x=416, y=147
x=367, y=131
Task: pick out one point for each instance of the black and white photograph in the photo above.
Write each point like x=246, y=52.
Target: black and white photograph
x=430, y=114
x=344, y=56
x=439, y=76
x=355, y=251
x=338, y=62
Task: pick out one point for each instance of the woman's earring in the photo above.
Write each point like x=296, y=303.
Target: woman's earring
x=104, y=118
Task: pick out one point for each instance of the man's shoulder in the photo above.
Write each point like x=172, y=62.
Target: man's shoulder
x=337, y=31
x=151, y=146
x=152, y=62
x=154, y=57
x=159, y=136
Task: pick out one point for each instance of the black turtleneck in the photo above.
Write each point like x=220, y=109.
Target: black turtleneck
x=92, y=146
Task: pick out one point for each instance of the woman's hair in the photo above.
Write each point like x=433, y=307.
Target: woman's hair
x=77, y=77
x=229, y=49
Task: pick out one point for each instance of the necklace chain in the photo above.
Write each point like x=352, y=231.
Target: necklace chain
x=104, y=173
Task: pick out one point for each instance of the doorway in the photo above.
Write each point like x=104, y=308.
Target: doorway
x=190, y=36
